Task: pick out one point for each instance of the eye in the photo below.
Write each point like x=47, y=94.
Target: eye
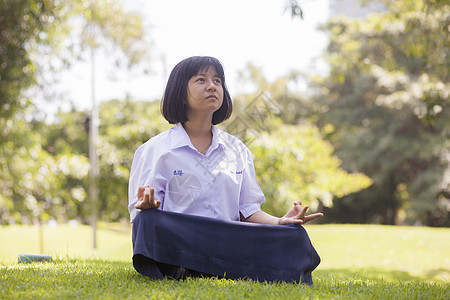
x=201, y=79
x=217, y=80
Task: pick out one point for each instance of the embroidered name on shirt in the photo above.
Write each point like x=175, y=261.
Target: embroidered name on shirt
x=178, y=172
x=237, y=172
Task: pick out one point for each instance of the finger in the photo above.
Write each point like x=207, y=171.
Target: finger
x=313, y=216
x=286, y=221
x=152, y=197
x=141, y=190
x=298, y=206
x=301, y=215
x=138, y=205
x=153, y=203
x=147, y=195
x=294, y=221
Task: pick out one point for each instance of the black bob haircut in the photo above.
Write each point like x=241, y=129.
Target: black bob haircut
x=172, y=104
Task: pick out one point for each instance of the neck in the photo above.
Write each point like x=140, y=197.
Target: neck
x=200, y=135
x=196, y=129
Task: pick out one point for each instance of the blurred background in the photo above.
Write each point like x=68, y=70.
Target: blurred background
x=343, y=103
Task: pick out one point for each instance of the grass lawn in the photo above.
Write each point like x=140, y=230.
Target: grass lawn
x=358, y=262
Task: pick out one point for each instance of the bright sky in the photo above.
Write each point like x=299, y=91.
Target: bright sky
x=235, y=31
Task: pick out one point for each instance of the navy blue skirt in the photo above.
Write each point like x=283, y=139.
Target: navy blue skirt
x=235, y=250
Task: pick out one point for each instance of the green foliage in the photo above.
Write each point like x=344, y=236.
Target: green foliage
x=124, y=126
x=40, y=179
x=294, y=163
x=292, y=160
x=384, y=107
x=33, y=40
x=106, y=20
x=34, y=183
x=386, y=102
x=43, y=168
x=23, y=23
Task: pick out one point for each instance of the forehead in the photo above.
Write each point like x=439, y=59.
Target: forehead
x=210, y=70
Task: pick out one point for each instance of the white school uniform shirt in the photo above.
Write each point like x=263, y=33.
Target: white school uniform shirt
x=220, y=184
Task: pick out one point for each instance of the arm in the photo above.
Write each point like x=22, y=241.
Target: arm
x=296, y=215
x=262, y=218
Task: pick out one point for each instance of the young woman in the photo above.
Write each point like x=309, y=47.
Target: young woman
x=194, y=168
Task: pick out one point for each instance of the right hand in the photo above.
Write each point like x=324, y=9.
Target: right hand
x=146, y=198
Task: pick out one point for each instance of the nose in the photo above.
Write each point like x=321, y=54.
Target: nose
x=211, y=86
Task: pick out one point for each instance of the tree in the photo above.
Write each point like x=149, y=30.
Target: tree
x=295, y=163
x=385, y=104
x=125, y=125
x=35, y=182
x=34, y=36
x=47, y=176
x=292, y=161
x=23, y=23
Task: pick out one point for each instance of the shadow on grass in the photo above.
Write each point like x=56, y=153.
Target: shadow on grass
x=441, y=276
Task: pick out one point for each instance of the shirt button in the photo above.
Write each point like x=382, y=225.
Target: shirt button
x=209, y=205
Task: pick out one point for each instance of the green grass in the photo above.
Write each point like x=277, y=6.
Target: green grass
x=358, y=262
x=384, y=252
x=100, y=279
x=65, y=241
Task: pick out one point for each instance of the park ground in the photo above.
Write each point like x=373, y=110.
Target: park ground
x=358, y=262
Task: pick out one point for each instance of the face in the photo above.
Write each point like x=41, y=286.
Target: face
x=204, y=93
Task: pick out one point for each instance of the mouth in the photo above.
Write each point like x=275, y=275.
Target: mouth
x=211, y=97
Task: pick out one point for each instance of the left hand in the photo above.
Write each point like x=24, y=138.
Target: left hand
x=297, y=215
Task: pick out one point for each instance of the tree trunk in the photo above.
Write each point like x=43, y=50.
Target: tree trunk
x=392, y=205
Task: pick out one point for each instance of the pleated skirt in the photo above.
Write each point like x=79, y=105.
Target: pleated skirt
x=235, y=250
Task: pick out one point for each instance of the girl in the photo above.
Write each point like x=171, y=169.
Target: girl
x=194, y=168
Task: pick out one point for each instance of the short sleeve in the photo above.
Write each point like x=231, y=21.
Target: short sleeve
x=143, y=172
x=251, y=196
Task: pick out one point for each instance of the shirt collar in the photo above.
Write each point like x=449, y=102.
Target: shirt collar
x=180, y=138
x=219, y=138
